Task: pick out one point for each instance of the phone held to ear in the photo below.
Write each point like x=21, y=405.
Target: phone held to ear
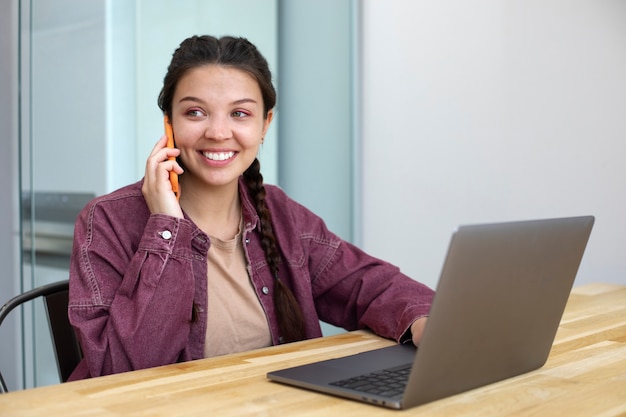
x=170, y=144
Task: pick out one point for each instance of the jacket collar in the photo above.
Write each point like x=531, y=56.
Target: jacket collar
x=250, y=215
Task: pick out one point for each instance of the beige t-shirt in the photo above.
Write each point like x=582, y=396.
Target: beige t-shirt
x=236, y=320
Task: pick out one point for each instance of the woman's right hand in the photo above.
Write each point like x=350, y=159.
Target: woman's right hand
x=157, y=189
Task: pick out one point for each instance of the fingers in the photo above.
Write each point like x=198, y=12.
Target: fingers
x=417, y=330
x=157, y=188
x=160, y=149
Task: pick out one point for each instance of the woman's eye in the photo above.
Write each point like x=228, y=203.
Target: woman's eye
x=239, y=114
x=195, y=113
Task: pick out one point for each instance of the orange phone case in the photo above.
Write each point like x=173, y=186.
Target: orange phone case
x=170, y=144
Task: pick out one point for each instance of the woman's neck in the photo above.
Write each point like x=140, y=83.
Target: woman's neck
x=215, y=210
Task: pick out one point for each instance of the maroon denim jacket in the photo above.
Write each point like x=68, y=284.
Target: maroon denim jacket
x=135, y=276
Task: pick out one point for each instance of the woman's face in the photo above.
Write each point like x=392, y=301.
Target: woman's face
x=217, y=117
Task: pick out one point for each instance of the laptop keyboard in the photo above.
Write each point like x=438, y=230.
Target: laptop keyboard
x=388, y=382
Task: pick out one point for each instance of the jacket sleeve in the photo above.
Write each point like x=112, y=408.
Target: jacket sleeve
x=355, y=290
x=350, y=288
x=130, y=303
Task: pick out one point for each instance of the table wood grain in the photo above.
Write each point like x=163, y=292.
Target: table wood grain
x=585, y=375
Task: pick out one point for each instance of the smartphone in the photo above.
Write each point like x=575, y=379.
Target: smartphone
x=170, y=144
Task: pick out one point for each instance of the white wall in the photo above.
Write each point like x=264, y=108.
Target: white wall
x=487, y=111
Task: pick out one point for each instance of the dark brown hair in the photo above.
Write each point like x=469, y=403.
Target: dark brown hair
x=241, y=54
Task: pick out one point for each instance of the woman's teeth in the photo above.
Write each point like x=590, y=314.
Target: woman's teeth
x=219, y=156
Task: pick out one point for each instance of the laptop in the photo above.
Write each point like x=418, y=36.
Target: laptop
x=498, y=304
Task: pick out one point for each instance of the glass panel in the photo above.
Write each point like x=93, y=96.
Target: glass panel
x=91, y=74
x=63, y=144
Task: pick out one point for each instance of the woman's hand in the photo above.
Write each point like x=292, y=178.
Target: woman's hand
x=417, y=330
x=157, y=189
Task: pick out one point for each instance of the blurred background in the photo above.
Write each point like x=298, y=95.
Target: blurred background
x=397, y=120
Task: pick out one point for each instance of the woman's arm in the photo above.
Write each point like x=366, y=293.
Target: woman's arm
x=357, y=290
x=131, y=302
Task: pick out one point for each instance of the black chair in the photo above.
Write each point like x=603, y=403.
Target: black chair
x=66, y=347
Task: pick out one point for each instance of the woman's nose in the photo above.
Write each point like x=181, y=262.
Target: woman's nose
x=218, y=128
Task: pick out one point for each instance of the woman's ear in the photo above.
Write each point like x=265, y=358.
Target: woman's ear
x=267, y=122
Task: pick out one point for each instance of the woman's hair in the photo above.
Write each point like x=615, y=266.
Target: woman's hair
x=241, y=54
x=232, y=52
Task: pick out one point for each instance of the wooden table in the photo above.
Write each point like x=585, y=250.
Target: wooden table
x=584, y=376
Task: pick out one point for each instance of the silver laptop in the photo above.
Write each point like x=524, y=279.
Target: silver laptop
x=498, y=304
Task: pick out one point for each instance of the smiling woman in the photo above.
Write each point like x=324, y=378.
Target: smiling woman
x=235, y=264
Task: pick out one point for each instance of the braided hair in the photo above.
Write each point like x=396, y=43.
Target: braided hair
x=290, y=320
x=241, y=54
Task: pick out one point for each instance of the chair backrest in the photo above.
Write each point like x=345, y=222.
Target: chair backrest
x=66, y=347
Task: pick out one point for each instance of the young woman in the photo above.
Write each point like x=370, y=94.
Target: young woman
x=234, y=264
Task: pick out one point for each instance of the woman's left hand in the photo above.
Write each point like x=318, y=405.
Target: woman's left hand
x=417, y=330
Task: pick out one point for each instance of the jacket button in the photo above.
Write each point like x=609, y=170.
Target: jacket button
x=166, y=234
x=247, y=240
x=265, y=290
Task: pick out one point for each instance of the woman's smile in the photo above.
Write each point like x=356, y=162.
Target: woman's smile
x=218, y=156
x=218, y=159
